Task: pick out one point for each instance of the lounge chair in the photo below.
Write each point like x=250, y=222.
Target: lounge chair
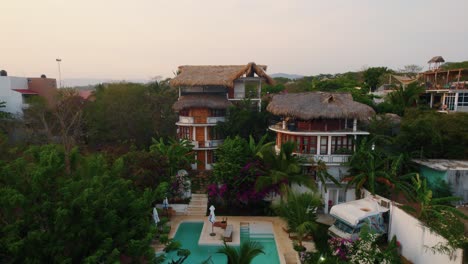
x=227, y=236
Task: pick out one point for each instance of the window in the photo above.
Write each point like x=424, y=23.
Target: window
x=463, y=99
x=323, y=145
x=214, y=133
x=184, y=112
x=341, y=145
x=450, y=101
x=184, y=132
x=218, y=112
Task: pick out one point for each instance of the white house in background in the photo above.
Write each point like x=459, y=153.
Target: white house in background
x=325, y=127
x=10, y=93
x=15, y=91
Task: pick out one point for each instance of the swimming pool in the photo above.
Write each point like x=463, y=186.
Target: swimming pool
x=188, y=234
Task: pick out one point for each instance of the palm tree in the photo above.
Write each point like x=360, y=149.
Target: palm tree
x=283, y=169
x=368, y=167
x=256, y=149
x=244, y=255
x=430, y=207
x=299, y=211
x=179, y=153
x=323, y=175
x=405, y=97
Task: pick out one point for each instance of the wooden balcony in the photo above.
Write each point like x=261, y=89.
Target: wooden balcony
x=212, y=120
x=209, y=144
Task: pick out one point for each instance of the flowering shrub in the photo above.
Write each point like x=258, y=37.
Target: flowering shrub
x=179, y=185
x=340, y=247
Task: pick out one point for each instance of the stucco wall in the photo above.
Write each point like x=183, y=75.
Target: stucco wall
x=414, y=238
x=13, y=99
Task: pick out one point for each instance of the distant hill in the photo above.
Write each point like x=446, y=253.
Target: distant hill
x=85, y=82
x=285, y=75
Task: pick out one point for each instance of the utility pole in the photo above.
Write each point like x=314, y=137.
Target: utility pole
x=60, y=73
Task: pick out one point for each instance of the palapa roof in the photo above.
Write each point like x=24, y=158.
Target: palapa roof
x=436, y=59
x=313, y=105
x=217, y=75
x=205, y=100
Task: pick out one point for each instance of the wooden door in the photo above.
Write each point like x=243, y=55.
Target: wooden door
x=201, y=160
x=200, y=135
x=200, y=114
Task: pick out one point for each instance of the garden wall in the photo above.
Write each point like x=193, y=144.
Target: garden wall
x=415, y=238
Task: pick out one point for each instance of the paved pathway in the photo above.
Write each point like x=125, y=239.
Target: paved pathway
x=198, y=205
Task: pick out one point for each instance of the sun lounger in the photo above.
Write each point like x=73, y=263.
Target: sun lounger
x=227, y=236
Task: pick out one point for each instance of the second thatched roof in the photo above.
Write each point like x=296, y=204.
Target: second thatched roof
x=217, y=75
x=314, y=105
x=202, y=101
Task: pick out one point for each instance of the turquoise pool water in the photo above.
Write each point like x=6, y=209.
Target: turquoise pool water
x=188, y=234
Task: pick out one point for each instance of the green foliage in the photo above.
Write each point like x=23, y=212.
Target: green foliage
x=3, y=114
x=428, y=134
x=231, y=156
x=438, y=215
x=145, y=169
x=299, y=211
x=90, y=216
x=179, y=154
x=404, y=97
x=133, y=112
x=372, y=76
x=283, y=169
x=454, y=65
x=244, y=120
x=244, y=255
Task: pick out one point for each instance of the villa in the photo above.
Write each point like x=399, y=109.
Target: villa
x=325, y=127
x=16, y=91
x=446, y=90
x=205, y=92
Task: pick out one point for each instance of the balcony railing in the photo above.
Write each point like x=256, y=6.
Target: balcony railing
x=207, y=144
x=201, y=119
x=336, y=159
x=186, y=119
x=215, y=119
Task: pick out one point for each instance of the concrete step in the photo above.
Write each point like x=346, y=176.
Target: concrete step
x=199, y=200
x=197, y=195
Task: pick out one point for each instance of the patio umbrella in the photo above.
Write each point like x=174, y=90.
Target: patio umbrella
x=212, y=219
x=155, y=216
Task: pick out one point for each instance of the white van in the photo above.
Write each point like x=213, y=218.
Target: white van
x=351, y=216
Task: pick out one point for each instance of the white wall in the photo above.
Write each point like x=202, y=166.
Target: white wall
x=415, y=237
x=13, y=99
x=458, y=181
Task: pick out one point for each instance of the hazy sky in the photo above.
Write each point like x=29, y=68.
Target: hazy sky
x=145, y=38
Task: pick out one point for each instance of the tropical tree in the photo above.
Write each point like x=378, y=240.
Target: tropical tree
x=94, y=216
x=244, y=255
x=367, y=168
x=372, y=76
x=283, y=169
x=178, y=152
x=323, y=176
x=439, y=215
x=133, y=112
x=299, y=211
x=404, y=97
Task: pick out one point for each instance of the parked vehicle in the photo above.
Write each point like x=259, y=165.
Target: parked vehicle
x=351, y=216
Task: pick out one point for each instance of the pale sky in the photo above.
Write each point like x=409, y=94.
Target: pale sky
x=146, y=38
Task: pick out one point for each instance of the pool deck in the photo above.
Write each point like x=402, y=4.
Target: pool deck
x=286, y=253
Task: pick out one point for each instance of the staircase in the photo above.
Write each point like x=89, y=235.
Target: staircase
x=198, y=205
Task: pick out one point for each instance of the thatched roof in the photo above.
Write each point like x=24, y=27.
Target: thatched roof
x=436, y=59
x=313, y=105
x=217, y=75
x=205, y=100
